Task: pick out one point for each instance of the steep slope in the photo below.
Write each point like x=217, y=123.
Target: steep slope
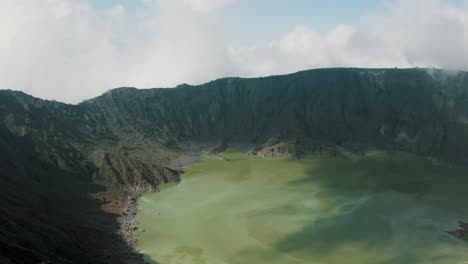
x=53, y=170
x=55, y=157
x=415, y=109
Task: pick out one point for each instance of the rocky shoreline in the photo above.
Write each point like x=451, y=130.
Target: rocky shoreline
x=128, y=207
x=127, y=222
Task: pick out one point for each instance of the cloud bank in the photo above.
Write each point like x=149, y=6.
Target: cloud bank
x=69, y=50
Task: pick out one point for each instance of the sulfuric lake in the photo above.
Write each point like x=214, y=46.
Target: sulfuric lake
x=383, y=208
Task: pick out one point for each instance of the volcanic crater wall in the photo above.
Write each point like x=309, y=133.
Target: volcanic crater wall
x=126, y=138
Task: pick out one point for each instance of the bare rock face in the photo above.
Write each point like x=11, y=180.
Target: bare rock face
x=218, y=149
x=123, y=172
x=295, y=149
x=287, y=150
x=275, y=149
x=220, y=157
x=270, y=142
x=461, y=232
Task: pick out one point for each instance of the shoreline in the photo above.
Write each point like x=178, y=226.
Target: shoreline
x=128, y=208
x=127, y=221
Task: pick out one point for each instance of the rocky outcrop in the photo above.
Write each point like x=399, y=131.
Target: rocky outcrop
x=218, y=149
x=287, y=150
x=125, y=172
x=275, y=148
x=295, y=149
x=461, y=232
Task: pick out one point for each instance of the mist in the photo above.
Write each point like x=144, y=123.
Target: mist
x=71, y=50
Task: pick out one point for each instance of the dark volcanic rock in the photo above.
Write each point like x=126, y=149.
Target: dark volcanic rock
x=286, y=149
x=122, y=172
x=274, y=148
x=462, y=232
x=218, y=149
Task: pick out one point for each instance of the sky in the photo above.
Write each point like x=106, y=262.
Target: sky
x=72, y=50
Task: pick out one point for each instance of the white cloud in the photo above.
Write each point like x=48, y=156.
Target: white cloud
x=426, y=33
x=188, y=47
x=208, y=5
x=69, y=50
x=116, y=10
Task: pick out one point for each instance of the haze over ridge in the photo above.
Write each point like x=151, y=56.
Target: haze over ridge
x=74, y=50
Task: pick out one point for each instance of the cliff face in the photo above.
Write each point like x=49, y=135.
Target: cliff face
x=424, y=111
x=126, y=137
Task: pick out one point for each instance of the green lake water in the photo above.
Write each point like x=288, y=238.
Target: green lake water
x=374, y=209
